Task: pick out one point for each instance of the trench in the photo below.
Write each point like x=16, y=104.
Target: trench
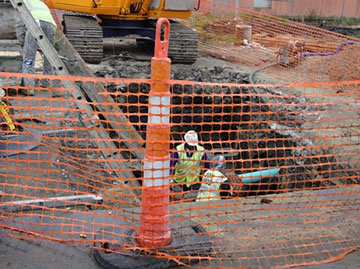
x=254, y=128
x=254, y=132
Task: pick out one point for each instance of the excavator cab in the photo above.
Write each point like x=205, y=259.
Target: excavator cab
x=95, y=19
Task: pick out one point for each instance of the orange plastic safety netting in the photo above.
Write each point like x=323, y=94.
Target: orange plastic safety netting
x=103, y=175
x=72, y=170
x=284, y=49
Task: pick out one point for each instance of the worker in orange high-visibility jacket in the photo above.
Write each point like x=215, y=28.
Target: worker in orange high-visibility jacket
x=188, y=163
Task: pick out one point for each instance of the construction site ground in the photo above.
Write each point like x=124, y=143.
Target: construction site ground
x=123, y=59
x=45, y=254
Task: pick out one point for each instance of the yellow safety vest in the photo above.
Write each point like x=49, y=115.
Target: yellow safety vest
x=188, y=169
x=39, y=11
x=210, y=185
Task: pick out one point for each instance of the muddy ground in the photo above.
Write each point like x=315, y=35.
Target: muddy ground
x=124, y=59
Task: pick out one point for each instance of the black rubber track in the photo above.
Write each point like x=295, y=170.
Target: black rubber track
x=183, y=44
x=85, y=34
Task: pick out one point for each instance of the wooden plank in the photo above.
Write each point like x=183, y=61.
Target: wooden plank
x=77, y=67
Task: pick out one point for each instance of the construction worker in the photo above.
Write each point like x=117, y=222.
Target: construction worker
x=215, y=185
x=44, y=19
x=188, y=163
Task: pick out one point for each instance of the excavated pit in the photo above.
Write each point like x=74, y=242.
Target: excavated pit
x=254, y=132
x=255, y=128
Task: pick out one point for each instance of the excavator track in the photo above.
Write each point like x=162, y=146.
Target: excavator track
x=85, y=34
x=183, y=44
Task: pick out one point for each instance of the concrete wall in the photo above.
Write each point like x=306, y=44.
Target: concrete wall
x=324, y=8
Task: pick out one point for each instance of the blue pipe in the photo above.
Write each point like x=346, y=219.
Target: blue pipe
x=305, y=54
x=254, y=177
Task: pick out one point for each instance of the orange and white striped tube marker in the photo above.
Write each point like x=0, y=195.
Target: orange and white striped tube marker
x=154, y=219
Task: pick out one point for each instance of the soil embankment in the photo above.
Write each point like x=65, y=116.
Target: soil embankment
x=344, y=26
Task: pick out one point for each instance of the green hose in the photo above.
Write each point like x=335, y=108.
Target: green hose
x=252, y=74
x=251, y=79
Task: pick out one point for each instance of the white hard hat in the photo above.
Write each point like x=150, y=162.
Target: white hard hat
x=191, y=138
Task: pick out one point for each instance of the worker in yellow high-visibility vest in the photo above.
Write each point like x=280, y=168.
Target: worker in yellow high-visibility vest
x=42, y=15
x=188, y=163
x=215, y=185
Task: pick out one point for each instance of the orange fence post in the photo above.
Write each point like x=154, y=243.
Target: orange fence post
x=154, y=219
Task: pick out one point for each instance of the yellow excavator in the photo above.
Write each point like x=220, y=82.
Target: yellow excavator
x=92, y=20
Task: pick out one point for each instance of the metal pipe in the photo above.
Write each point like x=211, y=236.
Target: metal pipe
x=17, y=206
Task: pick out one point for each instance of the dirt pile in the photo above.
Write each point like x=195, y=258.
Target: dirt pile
x=346, y=65
x=202, y=71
